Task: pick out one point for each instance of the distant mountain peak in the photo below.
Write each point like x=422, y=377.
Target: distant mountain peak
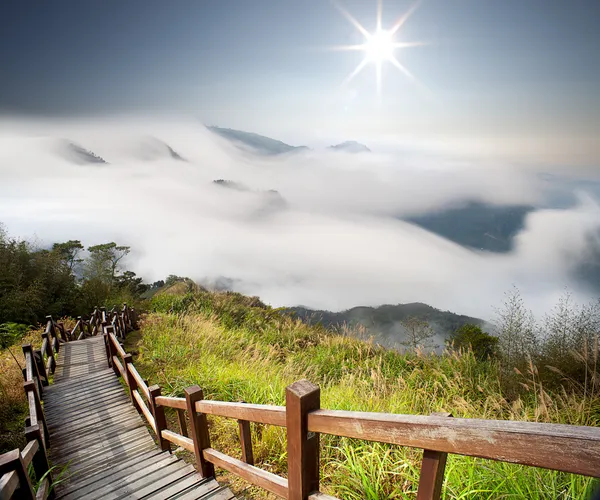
x=257, y=143
x=351, y=147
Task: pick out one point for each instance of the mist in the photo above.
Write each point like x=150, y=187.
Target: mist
x=330, y=237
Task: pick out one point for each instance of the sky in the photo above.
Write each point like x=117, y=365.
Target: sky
x=509, y=79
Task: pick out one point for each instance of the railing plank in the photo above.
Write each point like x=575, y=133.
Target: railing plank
x=139, y=381
x=9, y=483
x=29, y=451
x=145, y=410
x=171, y=402
x=179, y=440
x=560, y=447
x=264, y=414
x=270, y=482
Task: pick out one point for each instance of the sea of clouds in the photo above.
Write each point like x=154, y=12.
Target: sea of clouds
x=331, y=239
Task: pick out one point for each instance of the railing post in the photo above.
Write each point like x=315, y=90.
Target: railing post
x=108, y=349
x=131, y=382
x=12, y=461
x=40, y=459
x=49, y=351
x=38, y=359
x=160, y=420
x=246, y=442
x=182, y=425
x=301, y=398
x=432, y=471
x=28, y=351
x=30, y=386
x=199, y=430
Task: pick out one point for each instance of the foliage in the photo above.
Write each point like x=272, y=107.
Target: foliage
x=11, y=332
x=473, y=337
x=103, y=261
x=68, y=252
x=238, y=349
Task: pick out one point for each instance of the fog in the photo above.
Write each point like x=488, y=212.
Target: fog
x=329, y=239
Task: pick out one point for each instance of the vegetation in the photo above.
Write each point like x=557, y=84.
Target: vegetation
x=472, y=337
x=238, y=349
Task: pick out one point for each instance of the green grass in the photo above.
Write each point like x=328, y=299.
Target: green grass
x=238, y=350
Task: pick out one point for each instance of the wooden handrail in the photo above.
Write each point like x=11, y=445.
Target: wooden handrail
x=117, y=346
x=145, y=410
x=559, y=447
x=566, y=448
x=263, y=414
x=267, y=480
x=185, y=442
x=9, y=483
x=139, y=381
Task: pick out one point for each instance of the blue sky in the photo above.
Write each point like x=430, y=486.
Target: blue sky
x=505, y=74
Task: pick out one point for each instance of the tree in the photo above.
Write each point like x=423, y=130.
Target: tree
x=68, y=252
x=129, y=282
x=515, y=328
x=418, y=333
x=472, y=337
x=103, y=262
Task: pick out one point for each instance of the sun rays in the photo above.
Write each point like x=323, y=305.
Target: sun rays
x=379, y=47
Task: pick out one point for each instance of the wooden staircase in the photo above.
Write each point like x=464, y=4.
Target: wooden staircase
x=103, y=442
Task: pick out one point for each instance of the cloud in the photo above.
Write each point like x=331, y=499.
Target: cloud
x=336, y=242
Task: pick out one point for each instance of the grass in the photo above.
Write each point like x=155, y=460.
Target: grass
x=238, y=350
x=13, y=405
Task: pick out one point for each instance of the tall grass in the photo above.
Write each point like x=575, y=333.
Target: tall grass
x=238, y=350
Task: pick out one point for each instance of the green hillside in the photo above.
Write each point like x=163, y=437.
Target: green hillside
x=238, y=349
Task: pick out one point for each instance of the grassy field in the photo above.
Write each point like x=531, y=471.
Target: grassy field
x=238, y=350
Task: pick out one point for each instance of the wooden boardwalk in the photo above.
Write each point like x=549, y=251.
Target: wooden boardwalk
x=96, y=432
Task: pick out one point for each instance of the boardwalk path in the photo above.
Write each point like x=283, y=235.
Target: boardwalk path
x=96, y=431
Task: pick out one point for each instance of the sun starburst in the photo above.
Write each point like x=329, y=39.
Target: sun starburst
x=379, y=47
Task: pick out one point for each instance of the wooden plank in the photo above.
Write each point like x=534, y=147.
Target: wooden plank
x=114, y=470
x=43, y=488
x=560, y=447
x=153, y=479
x=163, y=481
x=28, y=452
x=259, y=477
x=301, y=398
x=9, y=483
x=264, y=414
x=97, y=489
x=139, y=380
x=187, y=484
x=145, y=410
x=12, y=461
x=179, y=440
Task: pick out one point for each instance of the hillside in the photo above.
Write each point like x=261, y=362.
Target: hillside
x=238, y=349
x=384, y=322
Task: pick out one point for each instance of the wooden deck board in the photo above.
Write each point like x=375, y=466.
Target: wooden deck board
x=103, y=442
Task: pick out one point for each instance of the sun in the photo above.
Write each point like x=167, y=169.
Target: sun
x=380, y=46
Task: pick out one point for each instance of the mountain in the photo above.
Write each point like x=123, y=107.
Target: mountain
x=351, y=147
x=384, y=322
x=258, y=143
x=79, y=155
x=476, y=225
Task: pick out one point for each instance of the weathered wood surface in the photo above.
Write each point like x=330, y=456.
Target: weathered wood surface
x=102, y=440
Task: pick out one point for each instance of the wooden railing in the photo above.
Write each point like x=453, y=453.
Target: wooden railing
x=567, y=448
x=39, y=366
x=573, y=449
